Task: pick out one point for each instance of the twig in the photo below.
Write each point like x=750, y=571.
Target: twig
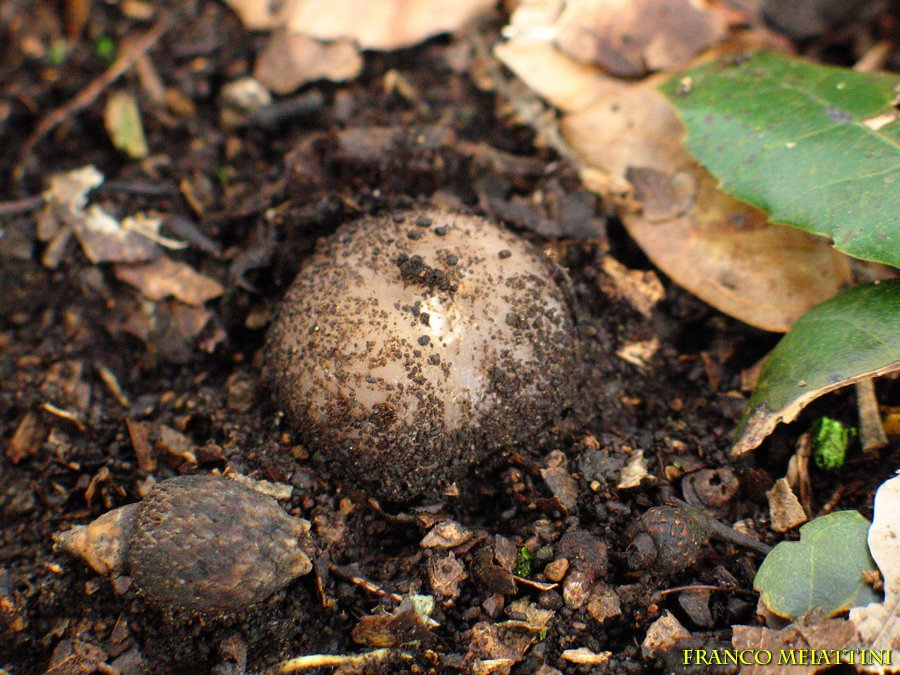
x=17, y=206
x=363, y=583
x=706, y=587
x=871, y=432
x=875, y=58
x=350, y=661
x=130, y=54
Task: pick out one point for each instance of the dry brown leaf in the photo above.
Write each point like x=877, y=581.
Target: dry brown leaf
x=629, y=38
x=728, y=254
x=642, y=288
x=76, y=657
x=626, y=139
x=447, y=534
x=316, y=40
x=372, y=24
x=785, y=511
x=634, y=472
x=410, y=622
x=164, y=277
x=104, y=239
x=445, y=575
x=27, y=439
x=639, y=353
x=828, y=636
x=291, y=60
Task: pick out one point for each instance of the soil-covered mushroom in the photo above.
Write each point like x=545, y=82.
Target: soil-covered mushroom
x=670, y=538
x=200, y=544
x=414, y=345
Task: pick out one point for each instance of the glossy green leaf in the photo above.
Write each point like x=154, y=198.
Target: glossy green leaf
x=849, y=338
x=815, y=147
x=824, y=569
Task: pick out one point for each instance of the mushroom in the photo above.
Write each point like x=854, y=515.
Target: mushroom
x=413, y=346
x=201, y=544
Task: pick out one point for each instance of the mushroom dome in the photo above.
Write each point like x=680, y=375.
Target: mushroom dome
x=414, y=345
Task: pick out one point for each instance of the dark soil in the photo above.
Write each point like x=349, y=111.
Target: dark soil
x=259, y=197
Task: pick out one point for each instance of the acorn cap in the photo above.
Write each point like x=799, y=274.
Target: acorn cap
x=209, y=545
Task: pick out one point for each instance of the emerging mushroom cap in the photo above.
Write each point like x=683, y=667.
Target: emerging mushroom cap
x=412, y=346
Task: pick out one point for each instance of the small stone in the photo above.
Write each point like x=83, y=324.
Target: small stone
x=662, y=635
x=577, y=589
x=241, y=392
x=604, y=604
x=556, y=570
x=493, y=605
x=447, y=534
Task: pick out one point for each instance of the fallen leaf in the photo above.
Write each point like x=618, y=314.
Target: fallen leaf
x=508, y=641
x=785, y=511
x=825, y=569
x=829, y=636
x=633, y=472
x=164, y=277
x=76, y=657
x=410, y=622
x=629, y=38
x=849, y=338
x=139, y=433
x=878, y=624
x=123, y=123
x=560, y=482
x=447, y=534
x=642, y=288
x=314, y=40
x=639, y=353
x=27, y=439
x=798, y=145
x=103, y=238
x=293, y=59
x=625, y=138
x=372, y=24
x=445, y=575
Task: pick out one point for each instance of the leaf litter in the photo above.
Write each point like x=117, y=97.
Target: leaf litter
x=625, y=138
x=313, y=40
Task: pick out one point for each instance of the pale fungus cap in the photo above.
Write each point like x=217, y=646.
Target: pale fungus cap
x=413, y=345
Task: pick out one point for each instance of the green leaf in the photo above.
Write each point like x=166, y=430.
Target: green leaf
x=815, y=147
x=824, y=569
x=849, y=338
